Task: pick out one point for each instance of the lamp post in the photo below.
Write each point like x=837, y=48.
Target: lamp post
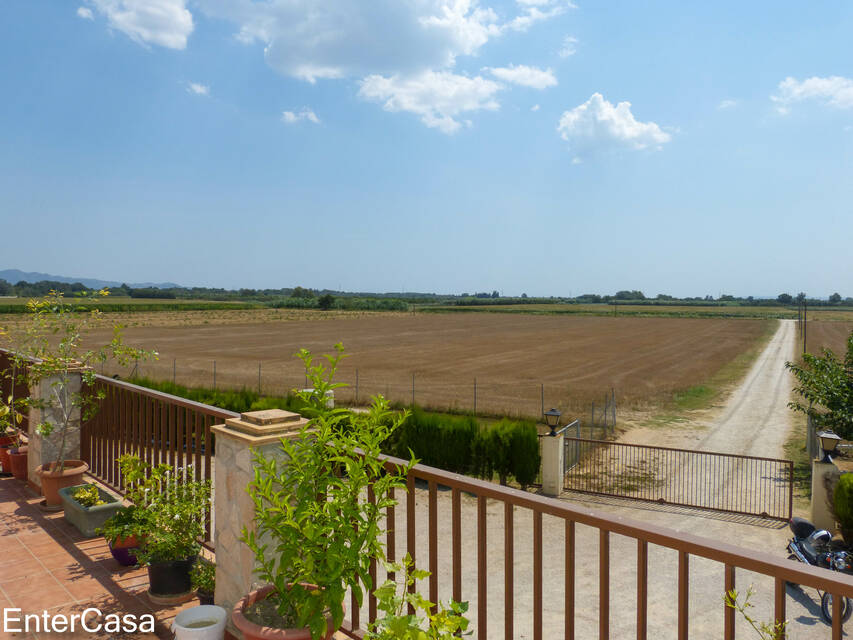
x=552, y=419
x=828, y=442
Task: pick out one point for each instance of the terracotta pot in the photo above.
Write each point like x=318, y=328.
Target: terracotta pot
x=6, y=441
x=18, y=458
x=129, y=542
x=53, y=481
x=5, y=460
x=252, y=631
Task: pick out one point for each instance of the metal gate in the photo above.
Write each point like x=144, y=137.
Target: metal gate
x=701, y=479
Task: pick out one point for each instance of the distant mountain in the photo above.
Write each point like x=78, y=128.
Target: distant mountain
x=14, y=276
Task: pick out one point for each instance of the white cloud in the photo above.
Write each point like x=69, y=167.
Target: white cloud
x=438, y=97
x=597, y=125
x=535, y=107
x=198, y=89
x=569, y=47
x=835, y=91
x=349, y=38
x=726, y=104
x=291, y=117
x=167, y=23
x=525, y=76
x=85, y=13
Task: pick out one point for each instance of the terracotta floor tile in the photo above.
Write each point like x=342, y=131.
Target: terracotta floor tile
x=10, y=544
x=58, y=557
x=37, y=593
x=81, y=583
x=25, y=566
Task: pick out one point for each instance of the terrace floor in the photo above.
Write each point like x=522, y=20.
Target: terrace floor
x=45, y=564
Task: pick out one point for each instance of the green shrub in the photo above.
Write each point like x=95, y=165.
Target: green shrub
x=843, y=500
x=524, y=451
x=509, y=448
x=436, y=440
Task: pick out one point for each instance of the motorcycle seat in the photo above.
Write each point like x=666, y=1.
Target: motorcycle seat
x=801, y=527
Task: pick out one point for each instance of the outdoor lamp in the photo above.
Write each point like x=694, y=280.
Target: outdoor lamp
x=552, y=419
x=828, y=442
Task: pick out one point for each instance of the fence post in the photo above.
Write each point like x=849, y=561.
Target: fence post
x=174, y=369
x=259, y=378
x=214, y=375
x=592, y=416
x=356, y=387
x=542, y=399
x=413, y=389
x=475, y=396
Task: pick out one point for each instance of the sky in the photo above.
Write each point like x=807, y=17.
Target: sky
x=526, y=146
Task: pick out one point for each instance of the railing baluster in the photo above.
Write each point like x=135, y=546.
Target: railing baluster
x=569, y=579
x=456, y=543
x=779, y=601
x=410, y=526
x=604, y=584
x=683, y=595
x=508, y=570
x=836, y=617
x=728, y=612
x=481, y=569
x=390, y=532
x=433, y=544
x=537, y=575
x=642, y=588
x=371, y=599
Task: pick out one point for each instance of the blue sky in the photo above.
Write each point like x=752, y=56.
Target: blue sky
x=530, y=146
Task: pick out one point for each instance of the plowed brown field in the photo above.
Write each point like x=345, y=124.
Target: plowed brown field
x=832, y=335
x=575, y=360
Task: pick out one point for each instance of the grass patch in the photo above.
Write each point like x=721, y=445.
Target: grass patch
x=795, y=449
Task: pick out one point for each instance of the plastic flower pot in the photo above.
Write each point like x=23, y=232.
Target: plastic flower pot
x=252, y=631
x=205, y=622
x=87, y=519
x=52, y=480
x=123, y=551
x=18, y=458
x=169, y=582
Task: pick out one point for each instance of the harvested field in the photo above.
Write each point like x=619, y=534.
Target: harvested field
x=832, y=335
x=575, y=360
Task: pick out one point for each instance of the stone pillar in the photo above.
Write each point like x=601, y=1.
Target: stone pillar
x=822, y=516
x=552, y=465
x=49, y=390
x=232, y=506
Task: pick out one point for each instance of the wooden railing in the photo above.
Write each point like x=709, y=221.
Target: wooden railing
x=158, y=427
x=507, y=507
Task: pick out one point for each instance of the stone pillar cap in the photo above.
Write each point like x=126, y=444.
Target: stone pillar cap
x=263, y=426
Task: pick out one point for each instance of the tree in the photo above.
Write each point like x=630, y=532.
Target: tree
x=299, y=292
x=835, y=298
x=826, y=384
x=784, y=298
x=326, y=301
x=801, y=297
x=496, y=294
x=523, y=295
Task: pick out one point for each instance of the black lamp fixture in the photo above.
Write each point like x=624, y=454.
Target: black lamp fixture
x=828, y=442
x=552, y=419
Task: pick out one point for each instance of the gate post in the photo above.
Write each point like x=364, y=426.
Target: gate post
x=553, y=461
x=822, y=517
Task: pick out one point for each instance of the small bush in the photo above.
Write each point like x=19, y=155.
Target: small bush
x=843, y=500
x=436, y=440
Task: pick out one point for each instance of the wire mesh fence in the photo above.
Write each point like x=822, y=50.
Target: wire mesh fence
x=481, y=396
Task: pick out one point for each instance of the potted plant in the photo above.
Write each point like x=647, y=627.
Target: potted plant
x=13, y=408
x=18, y=462
x=322, y=546
x=120, y=531
x=51, y=345
x=87, y=507
x=169, y=522
x=395, y=601
x=203, y=577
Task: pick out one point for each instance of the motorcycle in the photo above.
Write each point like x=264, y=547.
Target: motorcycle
x=815, y=547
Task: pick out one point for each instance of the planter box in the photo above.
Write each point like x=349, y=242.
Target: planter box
x=87, y=519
